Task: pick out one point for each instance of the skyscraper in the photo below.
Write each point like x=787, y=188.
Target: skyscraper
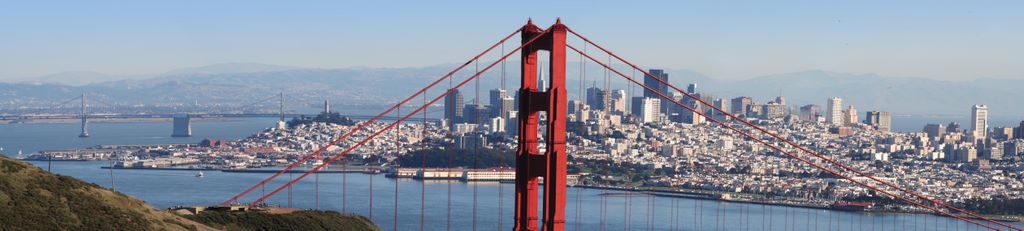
x=453, y=107
x=475, y=114
x=850, y=116
x=809, y=112
x=740, y=105
x=618, y=101
x=721, y=104
x=834, y=111
x=655, y=84
x=1019, y=133
x=881, y=120
x=979, y=121
x=650, y=109
x=596, y=98
x=692, y=88
x=501, y=103
x=935, y=130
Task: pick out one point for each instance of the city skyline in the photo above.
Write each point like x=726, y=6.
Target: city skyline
x=969, y=40
x=765, y=143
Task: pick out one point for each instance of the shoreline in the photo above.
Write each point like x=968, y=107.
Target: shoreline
x=700, y=196
x=623, y=191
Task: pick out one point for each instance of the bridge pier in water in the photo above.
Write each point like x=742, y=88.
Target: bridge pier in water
x=182, y=126
x=85, y=120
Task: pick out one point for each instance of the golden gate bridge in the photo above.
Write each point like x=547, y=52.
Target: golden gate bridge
x=543, y=208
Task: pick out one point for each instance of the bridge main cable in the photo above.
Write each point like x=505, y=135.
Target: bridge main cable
x=776, y=136
x=403, y=118
x=816, y=165
x=370, y=121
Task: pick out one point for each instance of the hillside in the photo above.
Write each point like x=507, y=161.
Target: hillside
x=309, y=220
x=32, y=199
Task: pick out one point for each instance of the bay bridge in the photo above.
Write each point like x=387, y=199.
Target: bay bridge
x=182, y=121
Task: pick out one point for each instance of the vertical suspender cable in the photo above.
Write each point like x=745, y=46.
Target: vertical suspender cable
x=448, y=171
x=606, y=108
x=718, y=215
x=582, y=97
x=423, y=167
x=501, y=155
x=476, y=146
x=316, y=190
x=290, y=190
x=344, y=185
x=398, y=133
x=112, y=173
x=372, y=172
x=699, y=216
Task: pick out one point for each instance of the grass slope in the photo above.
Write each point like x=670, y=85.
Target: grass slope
x=33, y=199
x=307, y=220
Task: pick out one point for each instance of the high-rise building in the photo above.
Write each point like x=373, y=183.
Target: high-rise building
x=453, y=108
x=809, y=112
x=721, y=104
x=574, y=106
x=475, y=114
x=834, y=111
x=1019, y=133
x=498, y=107
x=884, y=121
x=979, y=121
x=655, y=84
x=740, y=105
x=637, y=106
x=881, y=120
x=650, y=110
x=692, y=88
x=596, y=98
x=953, y=127
x=935, y=130
x=850, y=116
x=618, y=102
x=773, y=110
x=780, y=100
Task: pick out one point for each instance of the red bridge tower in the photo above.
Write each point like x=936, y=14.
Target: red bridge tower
x=531, y=164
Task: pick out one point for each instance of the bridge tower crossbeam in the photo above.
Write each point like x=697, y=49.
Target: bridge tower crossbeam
x=531, y=164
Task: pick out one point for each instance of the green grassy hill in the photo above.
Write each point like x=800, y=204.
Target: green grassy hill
x=308, y=220
x=33, y=199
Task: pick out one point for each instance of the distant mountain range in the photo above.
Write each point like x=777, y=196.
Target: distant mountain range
x=241, y=83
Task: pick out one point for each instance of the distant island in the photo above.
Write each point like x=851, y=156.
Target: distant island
x=329, y=118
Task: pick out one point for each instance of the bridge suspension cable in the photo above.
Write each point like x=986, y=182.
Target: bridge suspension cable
x=360, y=126
x=403, y=118
x=766, y=143
x=794, y=145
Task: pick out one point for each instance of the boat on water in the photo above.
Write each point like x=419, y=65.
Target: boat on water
x=850, y=206
x=199, y=174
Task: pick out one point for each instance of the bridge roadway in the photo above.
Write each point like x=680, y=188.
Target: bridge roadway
x=164, y=115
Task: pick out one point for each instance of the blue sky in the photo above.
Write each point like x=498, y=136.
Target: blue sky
x=950, y=40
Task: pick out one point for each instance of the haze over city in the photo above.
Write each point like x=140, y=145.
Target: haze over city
x=567, y=115
x=969, y=40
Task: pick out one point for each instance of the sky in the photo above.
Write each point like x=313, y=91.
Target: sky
x=946, y=40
